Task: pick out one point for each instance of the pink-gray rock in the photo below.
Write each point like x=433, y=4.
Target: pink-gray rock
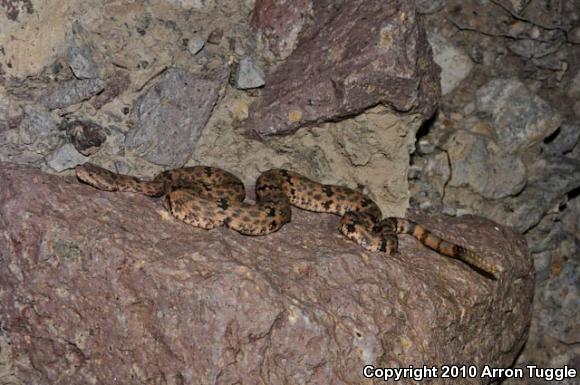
x=70, y=92
x=574, y=35
x=38, y=133
x=477, y=162
x=566, y=138
x=520, y=118
x=113, y=87
x=352, y=55
x=550, y=180
x=65, y=158
x=170, y=116
x=11, y=114
x=99, y=287
x=430, y=6
x=277, y=26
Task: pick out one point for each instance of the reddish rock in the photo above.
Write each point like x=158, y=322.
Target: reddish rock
x=351, y=56
x=99, y=287
x=278, y=24
x=86, y=136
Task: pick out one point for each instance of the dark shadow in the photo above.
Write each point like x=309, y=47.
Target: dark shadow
x=426, y=127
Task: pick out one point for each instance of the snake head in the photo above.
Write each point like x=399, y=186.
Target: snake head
x=96, y=176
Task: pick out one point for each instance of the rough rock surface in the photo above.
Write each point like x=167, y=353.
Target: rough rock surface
x=101, y=287
x=476, y=161
x=455, y=64
x=65, y=158
x=353, y=55
x=278, y=27
x=520, y=118
x=170, y=116
x=249, y=75
x=71, y=92
x=522, y=95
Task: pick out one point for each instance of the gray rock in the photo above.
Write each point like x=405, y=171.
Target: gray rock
x=455, y=64
x=571, y=216
x=574, y=35
x=438, y=171
x=39, y=124
x=115, y=140
x=39, y=130
x=65, y=158
x=520, y=118
x=194, y=4
x=556, y=175
x=249, y=75
x=10, y=113
x=35, y=135
x=171, y=115
x=546, y=235
x=4, y=107
x=549, y=180
x=565, y=141
x=542, y=261
x=524, y=211
x=195, y=44
x=559, y=301
x=81, y=54
x=574, y=86
x=70, y=92
x=532, y=48
x=477, y=162
x=80, y=59
x=348, y=58
x=533, y=42
x=430, y=6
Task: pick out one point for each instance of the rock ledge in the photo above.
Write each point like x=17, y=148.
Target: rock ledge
x=100, y=287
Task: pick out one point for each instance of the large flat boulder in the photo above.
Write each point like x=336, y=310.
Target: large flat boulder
x=99, y=287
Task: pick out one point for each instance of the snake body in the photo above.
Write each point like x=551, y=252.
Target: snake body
x=210, y=197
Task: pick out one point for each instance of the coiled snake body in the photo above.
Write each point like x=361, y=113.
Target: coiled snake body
x=209, y=197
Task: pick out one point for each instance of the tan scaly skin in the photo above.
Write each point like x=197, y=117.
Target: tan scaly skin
x=209, y=197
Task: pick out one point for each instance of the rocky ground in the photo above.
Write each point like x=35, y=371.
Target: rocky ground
x=153, y=85
x=92, y=281
x=505, y=145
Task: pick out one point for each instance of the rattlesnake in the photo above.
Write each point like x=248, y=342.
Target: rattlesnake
x=209, y=197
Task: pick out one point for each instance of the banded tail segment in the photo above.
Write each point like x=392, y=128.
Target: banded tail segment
x=432, y=241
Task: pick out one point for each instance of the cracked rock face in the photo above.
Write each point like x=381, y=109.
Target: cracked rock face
x=351, y=56
x=101, y=287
